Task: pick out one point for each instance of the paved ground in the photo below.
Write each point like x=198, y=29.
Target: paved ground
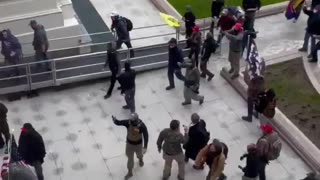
x=82, y=142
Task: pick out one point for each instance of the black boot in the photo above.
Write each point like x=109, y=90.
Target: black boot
x=247, y=118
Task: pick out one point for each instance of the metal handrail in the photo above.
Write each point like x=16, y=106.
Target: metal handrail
x=97, y=33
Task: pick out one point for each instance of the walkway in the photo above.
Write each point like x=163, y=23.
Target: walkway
x=82, y=142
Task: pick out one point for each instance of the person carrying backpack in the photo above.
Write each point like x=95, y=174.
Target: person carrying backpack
x=197, y=138
x=209, y=47
x=214, y=155
x=122, y=27
x=268, y=149
x=137, y=133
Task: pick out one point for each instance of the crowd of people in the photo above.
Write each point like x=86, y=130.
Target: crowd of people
x=238, y=27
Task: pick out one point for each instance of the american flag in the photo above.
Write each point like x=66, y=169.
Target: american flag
x=255, y=63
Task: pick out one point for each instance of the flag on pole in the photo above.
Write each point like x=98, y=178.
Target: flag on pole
x=255, y=64
x=170, y=20
x=294, y=9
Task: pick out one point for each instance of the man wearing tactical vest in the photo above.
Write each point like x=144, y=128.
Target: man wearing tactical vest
x=137, y=133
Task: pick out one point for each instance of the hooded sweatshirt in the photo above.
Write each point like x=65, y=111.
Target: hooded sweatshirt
x=9, y=45
x=40, y=38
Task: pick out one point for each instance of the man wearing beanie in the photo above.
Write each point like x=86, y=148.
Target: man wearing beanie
x=175, y=56
x=128, y=86
x=268, y=148
x=4, y=127
x=137, y=133
x=32, y=149
x=235, y=36
x=195, y=44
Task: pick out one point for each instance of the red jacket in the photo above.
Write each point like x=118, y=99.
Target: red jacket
x=226, y=22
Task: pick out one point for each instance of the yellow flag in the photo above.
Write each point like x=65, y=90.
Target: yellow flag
x=170, y=20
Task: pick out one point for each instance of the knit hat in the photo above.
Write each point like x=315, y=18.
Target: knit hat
x=196, y=28
x=266, y=129
x=188, y=8
x=238, y=27
x=173, y=41
x=3, y=109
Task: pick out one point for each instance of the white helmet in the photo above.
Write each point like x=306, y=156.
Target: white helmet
x=114, y=13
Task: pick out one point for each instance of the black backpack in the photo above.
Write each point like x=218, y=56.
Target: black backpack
x=129, y=23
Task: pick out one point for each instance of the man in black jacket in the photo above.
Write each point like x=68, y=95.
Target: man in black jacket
x=216, y=8
x=189, y=20
x=175, y=56
x=128, y=86
x=4, y=127
x=114, y=66
x=198, y=137
x=209, y=47
x=31, y=148
x=119, y=23
x=137, y=133
x=309, y=31
x=250, y=7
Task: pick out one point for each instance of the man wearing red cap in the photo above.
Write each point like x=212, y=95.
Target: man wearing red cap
x=268, y=148
x=195, y=44
x=235, y=36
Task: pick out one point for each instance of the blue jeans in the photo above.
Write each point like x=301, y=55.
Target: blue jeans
x=307, y=36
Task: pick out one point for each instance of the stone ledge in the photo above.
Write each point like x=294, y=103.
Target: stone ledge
x=286, y=129
x=311, y=75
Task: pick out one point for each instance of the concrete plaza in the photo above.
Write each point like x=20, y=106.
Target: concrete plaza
x=82, y=142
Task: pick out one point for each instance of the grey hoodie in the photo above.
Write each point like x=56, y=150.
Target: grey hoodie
x=40, y=38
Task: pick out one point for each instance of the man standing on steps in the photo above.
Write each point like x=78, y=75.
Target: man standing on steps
x=235, y=36
x=137, y=133
x=40, y=43
x=128, y=86
x=175, y=56
x=114, y=66
x=120, y=24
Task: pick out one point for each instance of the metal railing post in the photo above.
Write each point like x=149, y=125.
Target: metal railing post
x=29, y=78
x=128, y=54
x=177, y=35
x=54, y=72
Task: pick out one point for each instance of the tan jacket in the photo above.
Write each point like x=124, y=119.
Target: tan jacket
x=217, y=166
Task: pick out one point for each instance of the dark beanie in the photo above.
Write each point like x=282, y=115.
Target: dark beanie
x=27, y=126
x=3, y=109
x=173, y=40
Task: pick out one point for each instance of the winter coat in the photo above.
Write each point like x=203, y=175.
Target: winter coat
x=197, y=139
x=209, y=46
x=127, y=80
x=313, y=22
x=226, y=22
x=251, y=4
x=113, y=62
x=141, y=129
x=31, y=146
x=190, y=20
x=40, y=38
x=4, y=127
x=195, y=40
x=192, y=79
x=170, y=141
x=314, y=3
x=120, y=25
x=175, y=56
x=263, y=145
x=216, y=8
x=252, y=164
x=235, y=44
x=9, y=45
x=217, y=165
